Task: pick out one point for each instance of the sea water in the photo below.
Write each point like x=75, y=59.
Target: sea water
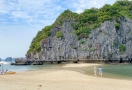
x=21, y=68
x=119, y=71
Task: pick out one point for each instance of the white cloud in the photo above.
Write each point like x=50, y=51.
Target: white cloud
x=20, y=20
x=3, y=12
x=80, y=5
x=19, y=14
x=29, y=11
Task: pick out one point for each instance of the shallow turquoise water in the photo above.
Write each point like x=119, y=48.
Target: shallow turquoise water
x=112, y=71
x=21, y=68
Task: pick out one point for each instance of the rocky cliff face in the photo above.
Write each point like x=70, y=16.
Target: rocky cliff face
x=105, y=42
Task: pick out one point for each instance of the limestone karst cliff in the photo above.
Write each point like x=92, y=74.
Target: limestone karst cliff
x=104, y=33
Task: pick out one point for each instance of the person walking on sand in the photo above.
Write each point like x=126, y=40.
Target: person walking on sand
x=95, y=71
x=100, y=71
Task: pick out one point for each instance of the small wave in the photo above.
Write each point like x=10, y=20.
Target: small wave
x=5, y=62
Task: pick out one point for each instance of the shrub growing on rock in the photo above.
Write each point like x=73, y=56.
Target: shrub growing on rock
x=82, y=42
x=122, y=48
x=59, y=34
x=115, y=43
x=117, y=25
x=74, y=47
x=91, y=49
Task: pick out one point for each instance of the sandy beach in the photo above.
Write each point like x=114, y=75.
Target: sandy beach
x=60, y=80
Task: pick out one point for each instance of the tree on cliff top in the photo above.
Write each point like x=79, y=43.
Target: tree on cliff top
x=85, y=22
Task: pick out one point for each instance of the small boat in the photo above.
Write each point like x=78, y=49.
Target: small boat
x=10, y=72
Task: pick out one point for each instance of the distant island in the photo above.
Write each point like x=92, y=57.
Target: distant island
x=9, y=59
x=95, y=34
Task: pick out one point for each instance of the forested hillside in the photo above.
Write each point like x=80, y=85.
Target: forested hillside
x=83, y=24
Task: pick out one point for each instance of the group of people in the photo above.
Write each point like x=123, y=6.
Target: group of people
x=2, y=71
x=99, y=70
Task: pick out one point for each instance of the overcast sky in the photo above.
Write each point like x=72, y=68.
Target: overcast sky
x=20, y=20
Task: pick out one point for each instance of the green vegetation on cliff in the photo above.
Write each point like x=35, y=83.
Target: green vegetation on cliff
x=67, y=15
x=117, y=25
x=92, y=18
x=82, y=42
x=35, y=45
x=115, y=43
x=122, y=49
x=91, y=49
x=85, y=22
x=59, y=34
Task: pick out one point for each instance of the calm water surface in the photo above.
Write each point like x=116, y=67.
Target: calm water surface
x=109, y=71
x=22, y=68
x=112, y=71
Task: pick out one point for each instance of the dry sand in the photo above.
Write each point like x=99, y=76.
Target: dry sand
x=80, y=65
x=60, y=80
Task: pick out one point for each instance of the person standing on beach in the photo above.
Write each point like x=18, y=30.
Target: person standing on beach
x=95, y=71
x=2, y=71
x=100, y=71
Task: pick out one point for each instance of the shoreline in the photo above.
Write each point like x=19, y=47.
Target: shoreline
x=61, y=79
x=80, y=65
x=41, y=62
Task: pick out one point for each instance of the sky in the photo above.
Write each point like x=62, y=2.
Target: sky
x=20, y=20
